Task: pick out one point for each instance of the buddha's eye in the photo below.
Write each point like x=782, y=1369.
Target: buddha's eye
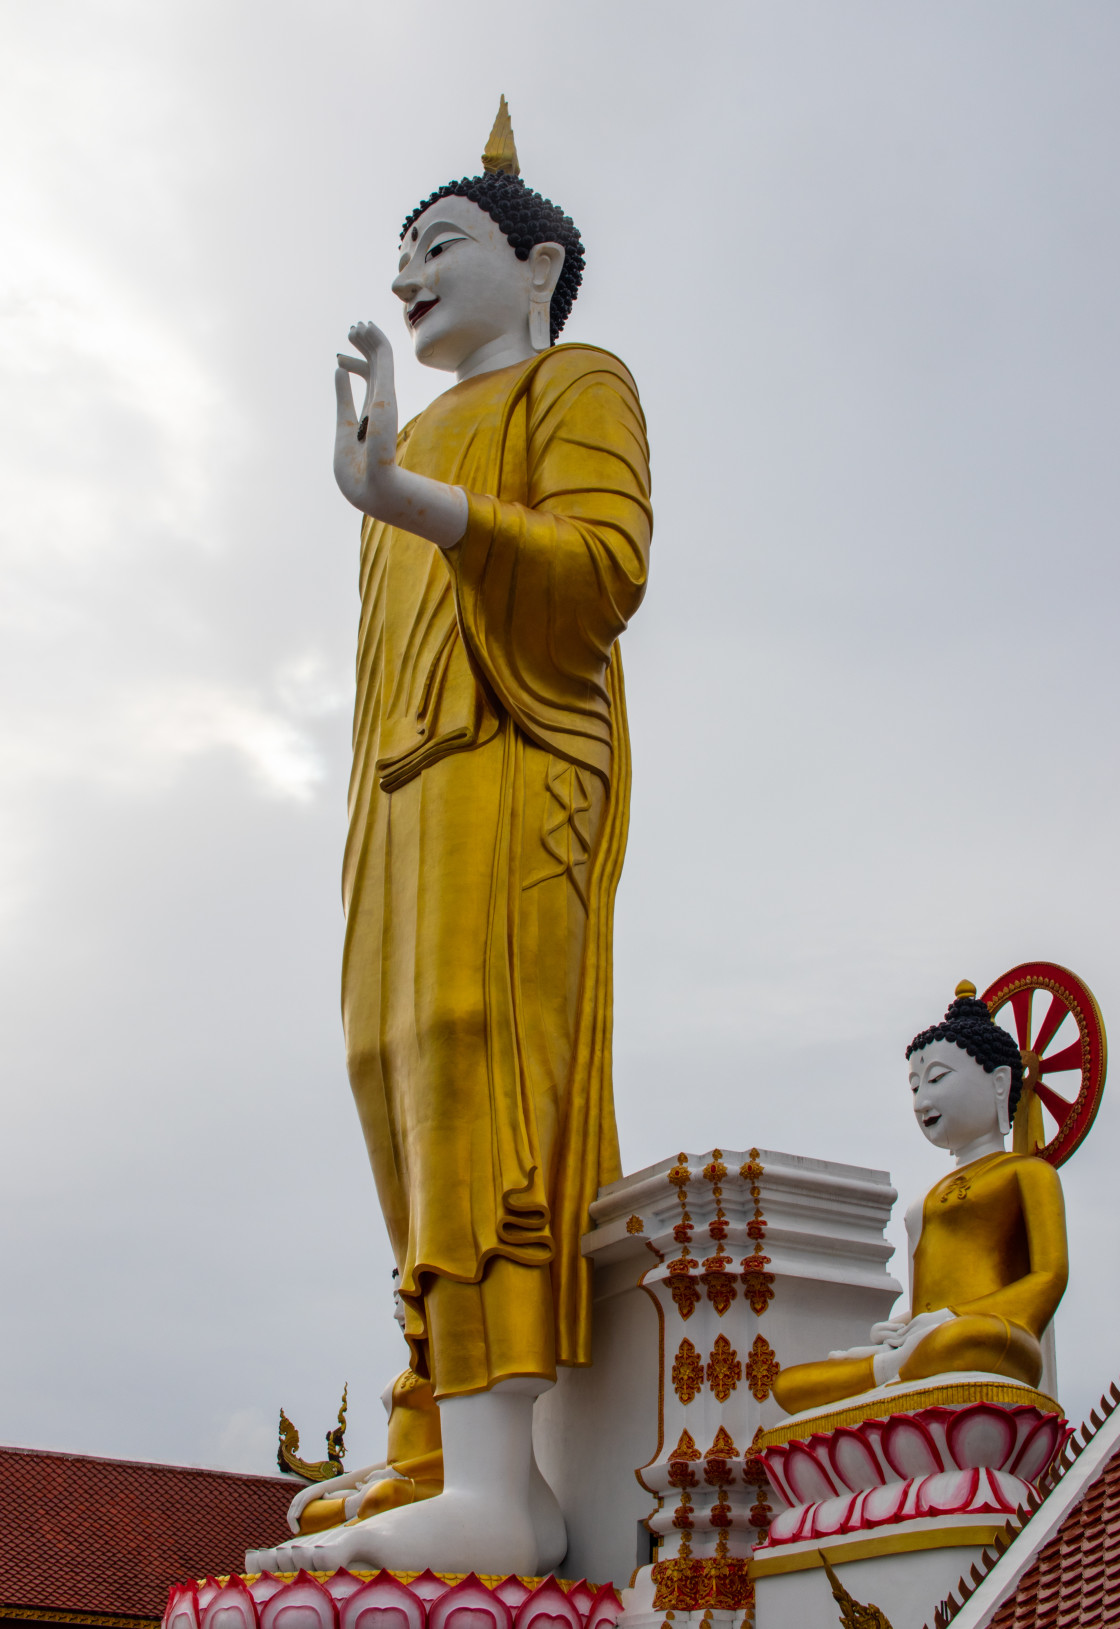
x=438, y=247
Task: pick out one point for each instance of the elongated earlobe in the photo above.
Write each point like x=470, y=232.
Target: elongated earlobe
x=540, y=323
x=1003, y=1094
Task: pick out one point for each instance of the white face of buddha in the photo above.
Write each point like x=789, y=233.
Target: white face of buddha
x=464, y=289
x=957, y=1102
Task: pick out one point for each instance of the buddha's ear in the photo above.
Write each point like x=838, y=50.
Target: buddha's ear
x=546, y=262
x=1001, y=1080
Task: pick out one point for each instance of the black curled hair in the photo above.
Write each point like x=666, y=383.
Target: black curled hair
x=526, y=219
x=969, y=1024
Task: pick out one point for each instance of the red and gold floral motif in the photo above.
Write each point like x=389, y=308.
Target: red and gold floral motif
x=761, y=1515
x=751, y=1173
x=719, y=1583
x=714, y=1172
x=680, y=1176
x=724, y=1369
x=758, y=1284
x=718, y=1282
x=719, y=1472
x=635, y=1225
x=681, y=1474
x=682, y=1516
x=761, y=1368
x=688, y=1372
x=682, y=1286
x=751, y=1170
x=754, y=1471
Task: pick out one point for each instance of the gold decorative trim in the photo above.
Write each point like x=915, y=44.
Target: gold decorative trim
x=932, y=1538
x=491, y=1580
x=35, y=1614
x=969, y=1391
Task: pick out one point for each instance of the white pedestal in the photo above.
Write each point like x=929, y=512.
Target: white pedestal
x=907, y=1588
x=709, y=1269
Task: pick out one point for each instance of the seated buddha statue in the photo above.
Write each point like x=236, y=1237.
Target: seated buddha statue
x=988, y=1261
x=411, y=1470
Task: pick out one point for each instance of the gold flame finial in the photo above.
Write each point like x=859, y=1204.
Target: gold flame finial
x=500, y=154
x=966, y=988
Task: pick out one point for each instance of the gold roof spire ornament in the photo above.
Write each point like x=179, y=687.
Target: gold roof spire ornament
x=500, y=155
x=852, y=1614
x=313, y=1470
x=965, y=988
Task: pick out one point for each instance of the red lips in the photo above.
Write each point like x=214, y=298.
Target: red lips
x=421, y=309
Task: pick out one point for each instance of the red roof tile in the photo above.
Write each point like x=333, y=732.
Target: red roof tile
x=1075, y=1578
x=109, y=1536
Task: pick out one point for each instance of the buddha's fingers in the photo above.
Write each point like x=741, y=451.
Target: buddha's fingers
x=344, y=395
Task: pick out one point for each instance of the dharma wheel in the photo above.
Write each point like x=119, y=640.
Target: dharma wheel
x=1062, y=1086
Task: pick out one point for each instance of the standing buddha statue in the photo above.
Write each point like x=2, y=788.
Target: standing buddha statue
x=504, y=547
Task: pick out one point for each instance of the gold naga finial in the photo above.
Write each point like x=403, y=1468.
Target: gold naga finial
x=500, y=154
x=966, y=988
x=313, y=1470
x=852, y=1614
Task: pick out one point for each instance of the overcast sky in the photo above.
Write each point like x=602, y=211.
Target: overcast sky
x=863, y=260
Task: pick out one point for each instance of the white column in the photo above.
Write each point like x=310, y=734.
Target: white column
x=709, y=1270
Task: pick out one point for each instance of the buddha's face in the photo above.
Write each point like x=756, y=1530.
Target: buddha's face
x=463, y=286
x=956, y=1100
x=398, y=1308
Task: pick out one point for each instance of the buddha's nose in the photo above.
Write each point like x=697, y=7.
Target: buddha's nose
x=406, y=286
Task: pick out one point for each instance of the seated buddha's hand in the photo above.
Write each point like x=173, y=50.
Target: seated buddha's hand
x=918, y=1328
x=336, y=1487
x=365, y=447
x=892, y=1332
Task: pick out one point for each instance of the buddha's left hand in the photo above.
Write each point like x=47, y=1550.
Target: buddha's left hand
x=365, y=450
x=916, y=1329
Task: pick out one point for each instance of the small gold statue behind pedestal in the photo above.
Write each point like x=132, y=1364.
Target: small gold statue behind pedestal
x=411, y=1470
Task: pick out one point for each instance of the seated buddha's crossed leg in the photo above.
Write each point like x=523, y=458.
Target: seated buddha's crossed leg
x=977, y=1341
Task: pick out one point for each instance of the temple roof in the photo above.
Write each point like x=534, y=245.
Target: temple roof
x=104, y=1538
x=1060, y=1562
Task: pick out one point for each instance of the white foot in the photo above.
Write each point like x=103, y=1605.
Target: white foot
x=457, y=1531
x=548, y=1522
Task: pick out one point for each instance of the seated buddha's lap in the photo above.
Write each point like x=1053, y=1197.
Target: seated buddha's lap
x=979, y=1341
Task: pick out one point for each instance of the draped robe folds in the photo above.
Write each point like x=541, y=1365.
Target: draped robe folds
x=488, y=810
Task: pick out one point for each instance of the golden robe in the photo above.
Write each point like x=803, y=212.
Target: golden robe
x=992, y=1250
x=488, y=812
x=414, y=1450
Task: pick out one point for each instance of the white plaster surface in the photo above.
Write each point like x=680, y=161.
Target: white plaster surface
x=908, y=1588
x=828, y=1256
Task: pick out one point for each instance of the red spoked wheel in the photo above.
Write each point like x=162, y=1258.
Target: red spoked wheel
x=1078, y=1064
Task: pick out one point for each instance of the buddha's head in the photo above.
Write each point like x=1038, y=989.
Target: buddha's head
x=966, y=1074
x=485, y=259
